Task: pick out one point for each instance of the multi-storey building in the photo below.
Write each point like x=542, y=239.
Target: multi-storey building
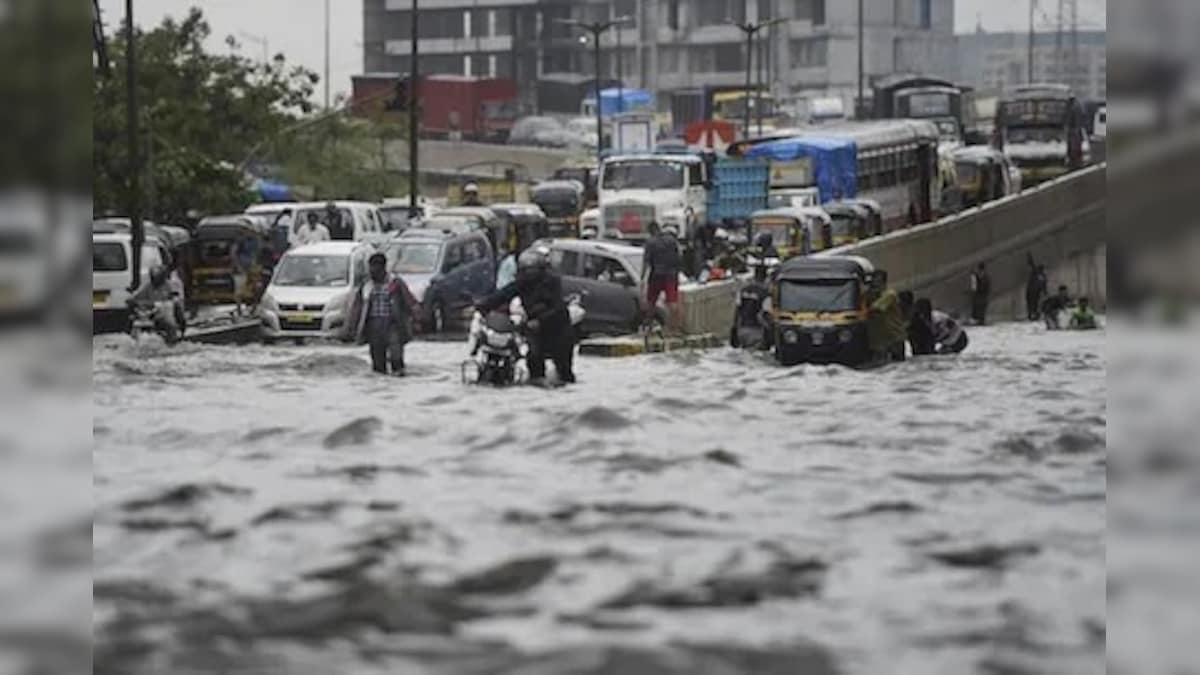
x=669, y=44
x=997, y=61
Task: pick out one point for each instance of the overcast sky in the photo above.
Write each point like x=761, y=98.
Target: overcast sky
x=296, y=27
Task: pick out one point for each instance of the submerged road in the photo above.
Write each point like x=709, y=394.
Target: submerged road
x=276, y=509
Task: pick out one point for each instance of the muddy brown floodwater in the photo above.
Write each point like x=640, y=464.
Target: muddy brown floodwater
x=277, y=510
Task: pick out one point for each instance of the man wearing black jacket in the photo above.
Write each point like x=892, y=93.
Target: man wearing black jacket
x=548, y=322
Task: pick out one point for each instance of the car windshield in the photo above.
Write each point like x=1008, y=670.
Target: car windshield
x=456, y=224
x=108, y=257
x=643, y=176
x=1036, y=135
x=341, y=224
x=414, y=258
x=834, y=295
x=313, y=271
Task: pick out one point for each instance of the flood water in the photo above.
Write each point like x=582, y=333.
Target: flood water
x=278, y=510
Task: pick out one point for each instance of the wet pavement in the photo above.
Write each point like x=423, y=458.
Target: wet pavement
x=278, y=510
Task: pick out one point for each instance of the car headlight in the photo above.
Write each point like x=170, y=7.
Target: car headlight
x=846, y=336
x=791, y=337
x=268, y=303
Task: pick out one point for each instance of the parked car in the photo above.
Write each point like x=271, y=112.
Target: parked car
x=447, y=271
x=540, y=131
x=310, y=292
x=608, y=276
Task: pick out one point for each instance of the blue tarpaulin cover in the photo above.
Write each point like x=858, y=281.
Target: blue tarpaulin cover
x=271, y=191
x=835, y=162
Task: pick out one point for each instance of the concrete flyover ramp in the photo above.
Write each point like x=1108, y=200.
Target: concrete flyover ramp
x=1061, y=224
x=445, y=157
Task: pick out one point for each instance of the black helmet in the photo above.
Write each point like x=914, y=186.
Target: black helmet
x=764, y=240
x=534, y=257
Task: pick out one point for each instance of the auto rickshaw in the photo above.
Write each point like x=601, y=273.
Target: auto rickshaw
x=874, y=212
x=983, y=175
x=524, y=224
x=796, y=231
x=851, y=222
x=819, y=311
x=228, y=260
x=485, y=220
x=563, y=202
x=586, y=172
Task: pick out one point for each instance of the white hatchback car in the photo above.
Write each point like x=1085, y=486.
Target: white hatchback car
x=310, y=292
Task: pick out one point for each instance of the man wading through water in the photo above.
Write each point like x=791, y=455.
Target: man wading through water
x=661, y=264
x=381, y=316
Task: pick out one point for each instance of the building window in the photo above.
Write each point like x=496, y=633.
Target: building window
x=730, y=59
x=925, y=13
x=671, y=58
x=717, y=12
x=818, y=12
x=673, y=14
x=624, y=8
x=766, y=10
x=812, y=53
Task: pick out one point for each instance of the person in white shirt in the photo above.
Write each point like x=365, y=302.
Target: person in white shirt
x=312, y=231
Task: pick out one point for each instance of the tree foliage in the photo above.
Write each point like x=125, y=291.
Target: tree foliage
x=202, y=116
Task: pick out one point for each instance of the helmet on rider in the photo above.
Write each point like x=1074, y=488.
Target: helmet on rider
x=764, y=240
x=534, y=257
x=671, y=230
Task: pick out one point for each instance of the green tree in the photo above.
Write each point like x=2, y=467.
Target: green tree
x=201, y=113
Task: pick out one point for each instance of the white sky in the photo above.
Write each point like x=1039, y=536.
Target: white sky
x=296, y=27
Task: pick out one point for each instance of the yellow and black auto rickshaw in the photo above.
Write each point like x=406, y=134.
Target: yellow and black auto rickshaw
x=523, y=225
x=851, y=222
x=228, y=260
x=874, y=215
x=563, y=202
x=819, y=310
x=984, y=174
x=795, y=231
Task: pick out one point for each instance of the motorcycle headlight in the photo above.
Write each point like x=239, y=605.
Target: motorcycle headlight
x=791, y=337
x=846, y=336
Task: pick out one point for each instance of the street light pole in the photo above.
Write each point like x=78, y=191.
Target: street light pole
x=862, y=61
x=596, y=30
x=137, y=228
x=1032, y=11
x=327, y=100
x=751, y=29
x=414, y=117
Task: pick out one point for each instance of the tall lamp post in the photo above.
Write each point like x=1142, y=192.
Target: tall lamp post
x=751, y=30
x=414, y=117
x=595, y=29
x=136, y=225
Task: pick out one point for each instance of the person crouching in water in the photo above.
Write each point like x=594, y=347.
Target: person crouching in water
x=547, y=320
x=381, y=314
x=949, y=337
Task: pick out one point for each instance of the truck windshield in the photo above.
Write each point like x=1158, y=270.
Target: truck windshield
x=644, y=176
x=833, y=295
x=314, y=271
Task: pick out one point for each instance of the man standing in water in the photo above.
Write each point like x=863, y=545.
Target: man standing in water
x=886, y=327
x=381, y=316
x=661, y=264
x=1037, y=287
x=981, y=292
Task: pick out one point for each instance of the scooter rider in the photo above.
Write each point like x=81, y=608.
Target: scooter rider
x=155, y=296
x=548, y=321
x=749, y=326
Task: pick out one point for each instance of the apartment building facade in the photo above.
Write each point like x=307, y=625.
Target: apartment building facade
x=669, y=44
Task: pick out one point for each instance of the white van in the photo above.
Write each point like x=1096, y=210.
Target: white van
x=112, y=274
x=359, y=221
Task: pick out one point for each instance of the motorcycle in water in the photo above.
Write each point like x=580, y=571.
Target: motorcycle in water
x=498, y=348
x=157, y=319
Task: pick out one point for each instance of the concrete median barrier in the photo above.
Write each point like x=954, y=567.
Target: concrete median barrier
x=1061, y=224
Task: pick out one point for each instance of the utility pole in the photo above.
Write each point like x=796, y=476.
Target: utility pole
x=327, y=100
x=751, y=29
x=596, y=30
x=1032, y=10
x=414, y=115
x=1074, y=48
x=758, y=94
x=1059, y=58
x=862, y=61
x=137, y=227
